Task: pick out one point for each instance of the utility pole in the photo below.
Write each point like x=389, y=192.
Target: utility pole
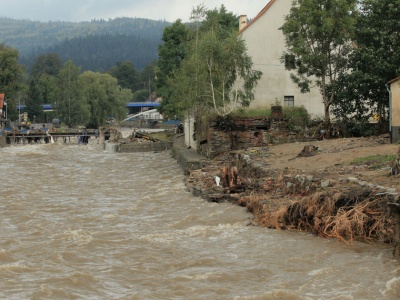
x=69, y=95
x=149, y=85
x=19, y=109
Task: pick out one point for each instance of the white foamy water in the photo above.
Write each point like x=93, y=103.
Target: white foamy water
x=80, y=223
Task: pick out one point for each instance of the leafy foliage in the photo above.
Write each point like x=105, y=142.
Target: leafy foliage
x=318, y=37
x=103, y=97
x=34, y=101
x=78, y=99
x=126, y=75
x=171, y=53
x=214, y=72
x=10, y=71
x=11, y=82
x=374, y=61
x=71, y=108
x=230, y=79
x=49, y=64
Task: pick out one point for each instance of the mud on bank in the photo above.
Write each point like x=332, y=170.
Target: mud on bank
x=323, y=192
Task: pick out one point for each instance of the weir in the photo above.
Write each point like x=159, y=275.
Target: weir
x=46, y=137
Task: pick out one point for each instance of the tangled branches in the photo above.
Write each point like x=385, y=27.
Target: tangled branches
x=357, y=213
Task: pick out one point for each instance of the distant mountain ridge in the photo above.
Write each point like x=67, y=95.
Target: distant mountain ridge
x=73, y=40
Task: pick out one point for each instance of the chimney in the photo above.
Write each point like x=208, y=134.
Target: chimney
x=242, y=22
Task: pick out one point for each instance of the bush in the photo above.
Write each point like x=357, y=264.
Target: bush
x=356, y=128
x=297, y=115
x=252, y=112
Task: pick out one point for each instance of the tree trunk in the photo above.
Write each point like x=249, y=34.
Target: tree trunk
x=327, y=120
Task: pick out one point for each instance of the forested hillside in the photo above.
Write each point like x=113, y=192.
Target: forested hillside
x=94, y=45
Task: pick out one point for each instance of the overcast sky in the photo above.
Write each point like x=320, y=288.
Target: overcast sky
x=86, y=10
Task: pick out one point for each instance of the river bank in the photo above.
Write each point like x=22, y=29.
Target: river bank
x=316, y=187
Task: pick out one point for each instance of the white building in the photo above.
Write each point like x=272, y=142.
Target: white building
x=151, y=114
x=266, y=44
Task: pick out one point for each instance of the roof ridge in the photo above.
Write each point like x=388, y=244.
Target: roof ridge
x=259, y=15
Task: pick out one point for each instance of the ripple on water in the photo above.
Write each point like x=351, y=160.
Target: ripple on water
x=79, y=223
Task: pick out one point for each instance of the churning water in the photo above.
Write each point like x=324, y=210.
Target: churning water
x=80, y=223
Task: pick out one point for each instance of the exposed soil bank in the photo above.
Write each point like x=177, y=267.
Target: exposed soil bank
x=309, y=186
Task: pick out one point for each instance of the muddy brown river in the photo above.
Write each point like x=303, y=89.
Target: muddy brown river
x=80, y=223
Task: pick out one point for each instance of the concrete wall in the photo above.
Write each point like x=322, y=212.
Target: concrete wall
x=144, y=147
x=395, y=99
x=265, y=43
x=223, y=136
x=188, y=125
x=395, y=110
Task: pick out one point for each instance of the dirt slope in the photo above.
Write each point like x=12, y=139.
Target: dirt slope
x=334, y=159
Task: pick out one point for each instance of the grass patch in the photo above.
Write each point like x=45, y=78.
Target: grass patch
x=165, y=136
x=252, y=112
x=298, y=115
x=375, y=161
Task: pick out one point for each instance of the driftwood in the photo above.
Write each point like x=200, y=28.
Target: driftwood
x=308, y=150
x=229, y=175
x=357, y=213
x=395, y=165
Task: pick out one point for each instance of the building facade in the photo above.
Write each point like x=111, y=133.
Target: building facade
x=394, y=109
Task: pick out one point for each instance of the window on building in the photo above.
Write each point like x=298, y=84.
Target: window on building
x=288, y=101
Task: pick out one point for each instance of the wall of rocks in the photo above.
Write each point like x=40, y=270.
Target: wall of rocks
x=223, y=135
x=144, y=147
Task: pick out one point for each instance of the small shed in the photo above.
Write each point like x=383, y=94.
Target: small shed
x=394, y=110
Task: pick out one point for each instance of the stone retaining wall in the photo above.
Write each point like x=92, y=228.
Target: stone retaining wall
x=144, y=147
x=188, y=159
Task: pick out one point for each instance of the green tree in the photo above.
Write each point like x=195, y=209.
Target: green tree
x=11, y=82
x=43, y=86
x=374, y=61
x=104, y=97
x=218, y=20
x=48, y=87
x=171, y=53
x=49, y=64
x=147, y=77
x=140, y=96
x=185, y=83
x=126, y=75
x=187, y=89
x=231, y=78
x=217, y=73
x=71, y=105
x=318, y=36
x=34, y=101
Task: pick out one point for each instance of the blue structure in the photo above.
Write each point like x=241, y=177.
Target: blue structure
x=132, y=106
x=46, y=107
x=137, y=107
x=143, y=104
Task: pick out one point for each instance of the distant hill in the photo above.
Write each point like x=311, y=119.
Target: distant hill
x=94, y=45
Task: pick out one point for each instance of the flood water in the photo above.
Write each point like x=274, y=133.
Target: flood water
x=81, y=223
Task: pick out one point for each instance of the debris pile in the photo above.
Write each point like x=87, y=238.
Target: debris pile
x=356, y=213
x=346, y=208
